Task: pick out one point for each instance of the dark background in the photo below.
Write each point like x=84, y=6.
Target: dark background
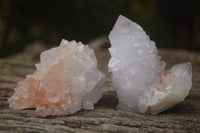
x=170, y=23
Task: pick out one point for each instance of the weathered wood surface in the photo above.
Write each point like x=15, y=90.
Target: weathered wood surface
x=184, y=117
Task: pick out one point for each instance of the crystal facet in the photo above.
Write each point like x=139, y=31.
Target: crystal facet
x=138, y=75
x=66, y=80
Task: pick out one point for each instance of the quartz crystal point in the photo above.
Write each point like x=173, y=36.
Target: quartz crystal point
x=66, y=80
x=138, y=75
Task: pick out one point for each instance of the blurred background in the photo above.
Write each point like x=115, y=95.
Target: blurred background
x=170, y=23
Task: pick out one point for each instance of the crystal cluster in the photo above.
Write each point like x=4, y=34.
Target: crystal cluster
x=66, y=80
x=138, y=75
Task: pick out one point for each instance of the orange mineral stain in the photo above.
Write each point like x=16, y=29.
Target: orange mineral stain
x=160, y=86
x=59, y=84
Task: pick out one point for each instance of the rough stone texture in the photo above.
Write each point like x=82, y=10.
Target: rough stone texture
x=184, y=117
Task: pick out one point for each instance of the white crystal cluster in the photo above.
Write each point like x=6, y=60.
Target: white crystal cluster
x=66, y=80
x=138, y=75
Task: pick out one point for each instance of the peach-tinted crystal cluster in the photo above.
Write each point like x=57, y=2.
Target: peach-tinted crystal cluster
x=66, y=80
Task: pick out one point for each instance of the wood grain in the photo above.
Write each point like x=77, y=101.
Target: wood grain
x=184, y=117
